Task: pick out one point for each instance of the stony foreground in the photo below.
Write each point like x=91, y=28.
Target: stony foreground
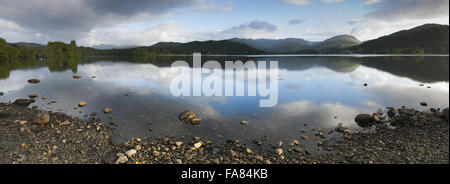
x=31, y=136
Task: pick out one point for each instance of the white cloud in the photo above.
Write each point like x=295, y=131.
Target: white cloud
x=299, y=2
x=168, y=31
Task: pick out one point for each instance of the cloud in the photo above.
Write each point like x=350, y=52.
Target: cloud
x=308, y=2
x=75, y=19
x=389, y=10
x=253, y=29
x=372, y=1
x=297, y=21
x=388, y=16
x=167, y=31
x=299, y=2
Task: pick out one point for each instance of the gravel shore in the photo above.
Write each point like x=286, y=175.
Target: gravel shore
x=26, y=137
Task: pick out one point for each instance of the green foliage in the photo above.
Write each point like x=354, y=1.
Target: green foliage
x=7, y=52
x=60, y=50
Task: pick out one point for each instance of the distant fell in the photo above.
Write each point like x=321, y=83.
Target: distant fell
x=425, y=39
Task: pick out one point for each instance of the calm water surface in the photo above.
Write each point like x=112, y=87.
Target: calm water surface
x=312, y=90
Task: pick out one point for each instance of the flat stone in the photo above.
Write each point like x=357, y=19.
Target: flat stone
x=130, y=153
x=198, y=144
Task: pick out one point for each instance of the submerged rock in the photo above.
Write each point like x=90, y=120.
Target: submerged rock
x=42, y=118
x=244, y=122
x=423, y=104
x=364, y=120
x=196, y=121
x=76, y=76
x=34, y=81
x=186, y=115
x=340, y=128
x=24, y=102
x=33, y=95
x=82, y=103
x=189, y=117
x=108, y=110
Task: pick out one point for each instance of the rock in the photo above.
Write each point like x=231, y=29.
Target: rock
x=279, y=151
x=65, y=123
x=76, y=76
x=189, y=117
x=179, y=161
x=391, y=111
x=121, y=158
x=445, y=114
x=244, y=122
x=138, y=148
x=1, y=93
x=376, y=117
x=156, y=153
x=380, y=112
x=186, y=115
x=365, y=84
x=259, y=158
x=295, y=142
x=340, y=128
x=44, y=97
x=233, y=153
x=108, y=110
x=303, y=130
x=195, y=121
x=24, y=102
x=130, y=153
x=423, y=104
x=280, y=144
x=259, y=142
x=179, y=143
x=364, y=120
x=24, y=122
x=34, y=81
x=305, y=137
x=198, y=144
x=82, y=103
x=42, y=118
x=249, y=151
x=298, y=149
x=33, y=95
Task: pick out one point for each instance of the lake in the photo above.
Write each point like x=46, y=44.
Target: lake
x=319, y=91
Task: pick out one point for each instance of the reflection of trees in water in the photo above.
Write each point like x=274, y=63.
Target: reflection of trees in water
x=53, y=64
x=7, y=66
x=423, y=69
x=62, y=64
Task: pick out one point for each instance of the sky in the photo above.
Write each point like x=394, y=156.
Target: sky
x=146, y=22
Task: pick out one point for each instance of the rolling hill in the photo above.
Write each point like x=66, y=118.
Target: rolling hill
x=425, y=39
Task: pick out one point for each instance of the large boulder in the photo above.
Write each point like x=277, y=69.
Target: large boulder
x=364, y=120
x=42, y=118
x=24, y=102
